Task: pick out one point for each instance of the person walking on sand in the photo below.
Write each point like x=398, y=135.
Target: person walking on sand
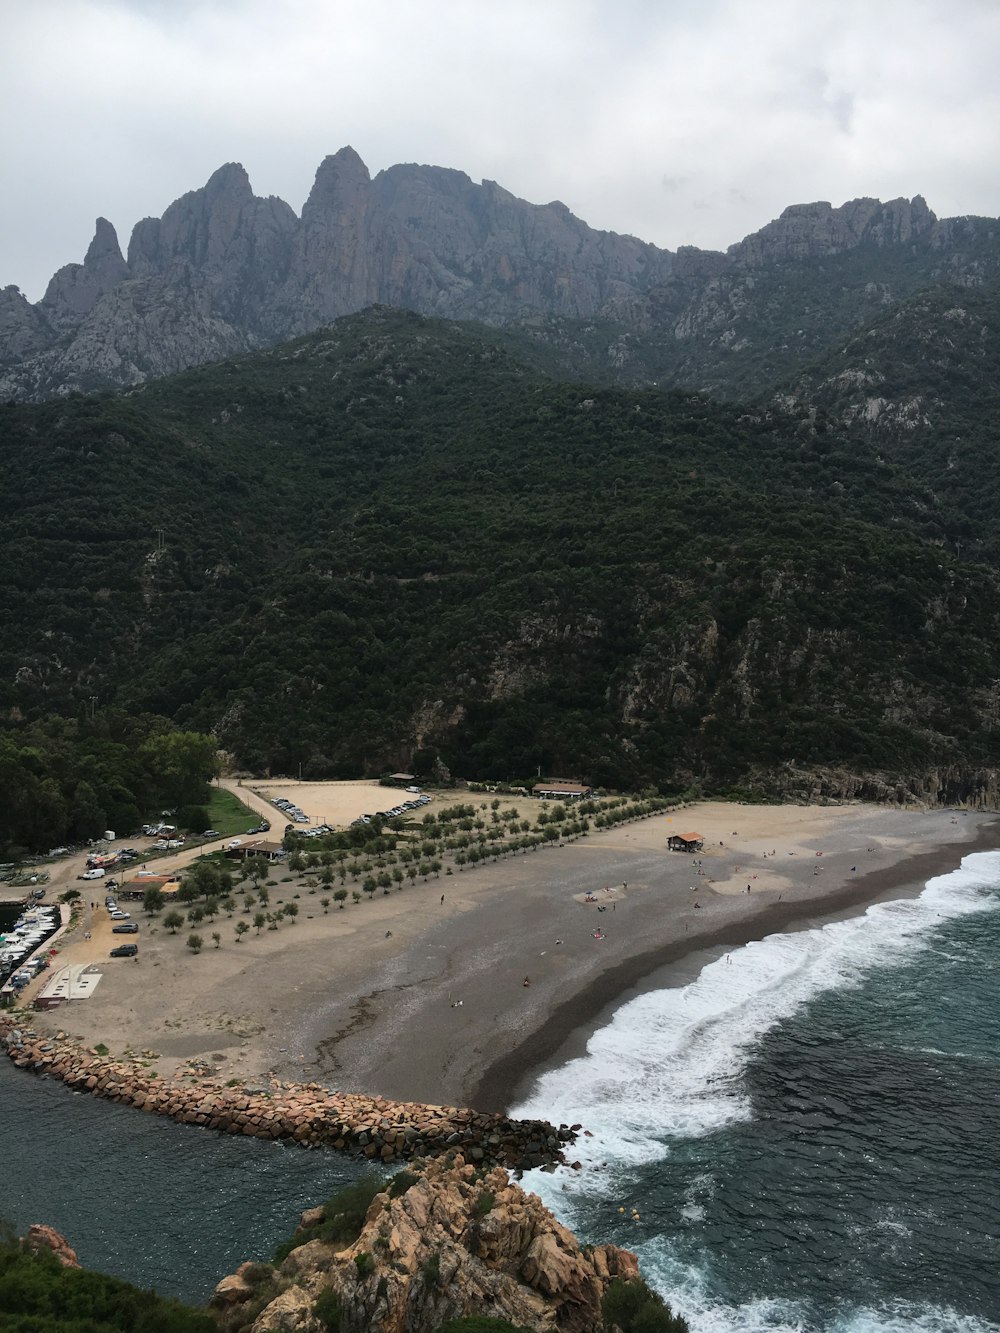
x=526, y=982
x=442, y=900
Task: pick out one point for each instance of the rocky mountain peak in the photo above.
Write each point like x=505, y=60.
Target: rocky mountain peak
x=104, y=254
x=341, y=176
x=75, y=289
x=230, y=179
x=817, y=230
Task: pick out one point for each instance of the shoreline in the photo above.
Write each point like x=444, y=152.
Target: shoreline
x=568, y=1028
x=459, y=989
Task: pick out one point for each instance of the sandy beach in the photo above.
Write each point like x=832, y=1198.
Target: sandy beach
x=420, y=994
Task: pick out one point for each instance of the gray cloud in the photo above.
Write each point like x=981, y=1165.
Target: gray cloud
x=679, y=122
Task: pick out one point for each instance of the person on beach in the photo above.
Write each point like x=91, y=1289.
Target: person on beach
x=526, y=982
x=442, y=899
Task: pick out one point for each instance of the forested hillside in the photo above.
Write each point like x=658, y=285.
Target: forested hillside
x=922, y=384
x=394, y=534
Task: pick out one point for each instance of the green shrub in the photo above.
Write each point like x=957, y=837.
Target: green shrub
x=401, y=1182
x=484, y=1203
x=364, y=1263
x=636, y=1308
x=328, y=1309
x=430, y=1270
x=343, y=1216
x=37, y=1293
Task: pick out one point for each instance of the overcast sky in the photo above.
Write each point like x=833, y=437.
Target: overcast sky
x=680, y=121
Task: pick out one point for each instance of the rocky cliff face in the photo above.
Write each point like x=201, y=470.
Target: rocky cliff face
x=458, y=1242
x=224, y=271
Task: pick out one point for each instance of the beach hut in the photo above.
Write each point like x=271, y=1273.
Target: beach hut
x=685, y=842
x=556, y=789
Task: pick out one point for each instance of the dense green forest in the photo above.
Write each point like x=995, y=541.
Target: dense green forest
x=65, y=780
x=396, y=534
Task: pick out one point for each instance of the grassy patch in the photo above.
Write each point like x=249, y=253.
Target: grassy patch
x=228, y=814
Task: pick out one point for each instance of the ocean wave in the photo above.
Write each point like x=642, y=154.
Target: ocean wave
x=669, y=1064
x=685, y=1290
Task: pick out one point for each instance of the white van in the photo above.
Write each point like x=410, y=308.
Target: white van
x=96, y=873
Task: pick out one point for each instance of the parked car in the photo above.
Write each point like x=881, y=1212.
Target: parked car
x=126, y=928
x=125, y=951
x=119, y=915
x=211, y=833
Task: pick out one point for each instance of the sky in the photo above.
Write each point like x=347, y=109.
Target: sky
x=683, y=122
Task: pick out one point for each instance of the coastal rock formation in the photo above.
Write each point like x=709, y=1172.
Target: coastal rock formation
x=459, y=1241
x=225, y=271
x=308, y=1114
x=42, y=1237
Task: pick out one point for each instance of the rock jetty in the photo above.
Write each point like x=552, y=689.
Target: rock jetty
x=308, y=1113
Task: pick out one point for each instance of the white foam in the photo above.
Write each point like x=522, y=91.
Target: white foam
x=668, y=1065
x=684, y=1290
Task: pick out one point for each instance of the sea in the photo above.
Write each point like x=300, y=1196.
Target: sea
x=805, y=1137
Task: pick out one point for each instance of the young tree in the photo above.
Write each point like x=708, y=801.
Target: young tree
x=398, y=876
x=260, y=921
x=385, y=881
x=194, y=943
x=241, y=930
x=217, y=938
x=325, y=904
x=339, y=896
x=369, y=885
x=291, y=910
x=355, y=895
x=153, y=901
x=256, y=868
x=173, y=921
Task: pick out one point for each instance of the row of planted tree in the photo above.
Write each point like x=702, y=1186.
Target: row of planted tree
x=384, y=855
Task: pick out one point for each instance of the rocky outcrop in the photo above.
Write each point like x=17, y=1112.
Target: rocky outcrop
x=224, y=271
x=41, y=1237
x=76, y=289
x=459, y=1241
x=810, y=231
x=307, y=1114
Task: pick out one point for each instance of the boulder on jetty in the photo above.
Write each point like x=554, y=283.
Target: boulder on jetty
x=306, y=1113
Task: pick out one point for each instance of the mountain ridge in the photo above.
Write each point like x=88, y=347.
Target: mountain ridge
x=224, y=271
